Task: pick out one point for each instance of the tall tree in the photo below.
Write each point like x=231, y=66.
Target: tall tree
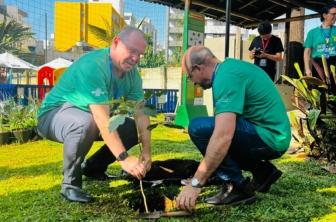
x=11, y=35
x=296, y=32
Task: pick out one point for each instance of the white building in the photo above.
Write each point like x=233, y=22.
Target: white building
x=118, y=5
x=216, y=29
x=130, y=19
x=174, y=37
x=277, y=30
x=148, y=28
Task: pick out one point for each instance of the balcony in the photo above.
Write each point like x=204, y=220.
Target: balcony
x=177, y=16
x=175, y=43
x=175, y=29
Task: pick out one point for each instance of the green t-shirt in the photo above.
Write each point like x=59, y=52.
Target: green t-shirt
x=317, y=42
x=245, y=89
x=89, y=81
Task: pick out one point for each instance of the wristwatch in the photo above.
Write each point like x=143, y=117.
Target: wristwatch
x=122, y=156
x=195, y=183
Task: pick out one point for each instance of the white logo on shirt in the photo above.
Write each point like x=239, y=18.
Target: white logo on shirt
x=98, y=92
x=224, y=99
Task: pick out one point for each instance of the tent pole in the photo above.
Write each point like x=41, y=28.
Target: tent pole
x=10, y=76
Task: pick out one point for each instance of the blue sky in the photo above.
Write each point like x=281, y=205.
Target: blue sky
x=37, y=9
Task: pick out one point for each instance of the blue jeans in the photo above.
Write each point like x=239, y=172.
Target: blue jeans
x=246, y=151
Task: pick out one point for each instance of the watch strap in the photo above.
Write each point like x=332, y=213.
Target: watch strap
x=122, y=156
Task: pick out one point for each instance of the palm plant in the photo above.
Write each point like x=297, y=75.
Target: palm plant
x=11, y=34
x=105, y=36
x=321, y=113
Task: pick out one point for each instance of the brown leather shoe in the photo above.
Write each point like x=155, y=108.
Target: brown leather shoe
x=234, y=195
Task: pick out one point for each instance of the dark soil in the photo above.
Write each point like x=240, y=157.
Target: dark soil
x=158, y=177
x=168, y=172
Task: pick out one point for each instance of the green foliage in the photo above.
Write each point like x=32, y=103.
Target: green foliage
x=321, y=111
x=11, y=35
x=17, y=116
x=251, y=37
x=106, y=35
x=126, y=107
x=151, y=59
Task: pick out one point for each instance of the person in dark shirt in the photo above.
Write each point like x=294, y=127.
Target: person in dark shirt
x=266, y=49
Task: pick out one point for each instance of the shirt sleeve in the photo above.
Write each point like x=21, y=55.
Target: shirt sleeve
x=252, y=44
x=309, y=40
x=279, y=47
x=229, y=93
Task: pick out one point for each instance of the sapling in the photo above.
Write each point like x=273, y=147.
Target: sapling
x=125, y=108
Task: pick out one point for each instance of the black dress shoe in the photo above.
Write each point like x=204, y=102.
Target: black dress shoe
x=234, y=195
x=264, y=175
x=95, y=174
x=76, y=195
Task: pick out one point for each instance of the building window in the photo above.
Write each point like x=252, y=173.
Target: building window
x=82, y=39
x=82, y=28
x=83, y=13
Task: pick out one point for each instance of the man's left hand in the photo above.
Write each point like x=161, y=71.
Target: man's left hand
x=186, y=200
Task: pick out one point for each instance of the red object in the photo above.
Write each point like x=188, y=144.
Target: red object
x=45, y=72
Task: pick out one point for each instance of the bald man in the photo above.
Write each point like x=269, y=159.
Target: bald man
x=250, y=127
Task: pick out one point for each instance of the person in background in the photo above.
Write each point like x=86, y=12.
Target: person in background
x=250, y=127
x=321, y=41
x=266, y=49
x=75, y=113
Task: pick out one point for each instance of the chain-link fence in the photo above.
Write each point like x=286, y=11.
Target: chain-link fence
x=68, y=29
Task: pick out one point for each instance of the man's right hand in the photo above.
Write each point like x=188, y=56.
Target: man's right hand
x=132, y=166
x=309, y=72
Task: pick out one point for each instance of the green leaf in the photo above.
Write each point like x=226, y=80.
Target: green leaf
x=315, y=81
x=148, y=94
x=158, y=94
x=123, y=111
x=152, y=126
x=116, y=121
x=148, y=112
x=312, y=117
x=150, y=106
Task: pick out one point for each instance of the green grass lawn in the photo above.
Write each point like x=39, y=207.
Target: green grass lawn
x=31, y=174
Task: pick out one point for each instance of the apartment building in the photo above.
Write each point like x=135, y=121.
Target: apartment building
x=130, y=19
x=72, y=19
x=147, y=27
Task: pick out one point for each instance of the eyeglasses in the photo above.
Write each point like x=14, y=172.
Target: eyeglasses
x=333, y=14
x=190, y=76
x=133, y=52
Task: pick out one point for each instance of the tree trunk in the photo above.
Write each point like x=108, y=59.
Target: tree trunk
x=297, y=28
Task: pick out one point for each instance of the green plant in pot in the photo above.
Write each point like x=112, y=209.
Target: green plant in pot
x=17, y=119
x=316, y=100
x=5, y=133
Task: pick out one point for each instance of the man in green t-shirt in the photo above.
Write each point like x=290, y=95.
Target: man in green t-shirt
x=75, y=113
x=250, y=127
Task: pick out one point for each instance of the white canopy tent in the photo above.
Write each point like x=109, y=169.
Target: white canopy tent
x=57, y=63
x=8, y=60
